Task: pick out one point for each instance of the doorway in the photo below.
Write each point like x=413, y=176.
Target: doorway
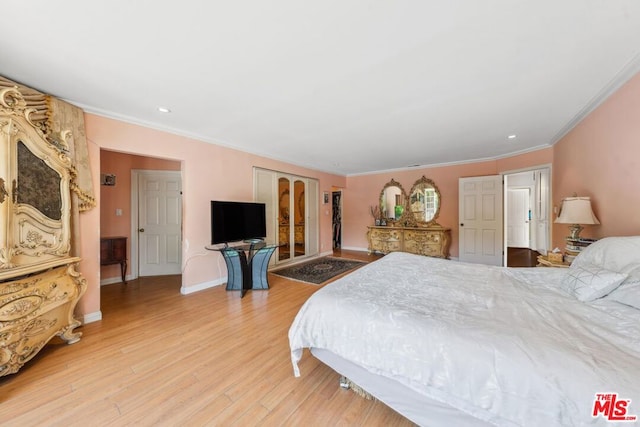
x=518, y=217
x=527, y=227
x=156, y=222
x=118, y=207
x=485, y=204
x=336, y=218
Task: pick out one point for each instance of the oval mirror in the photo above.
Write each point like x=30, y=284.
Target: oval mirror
x=424, y=201
x=392, y=201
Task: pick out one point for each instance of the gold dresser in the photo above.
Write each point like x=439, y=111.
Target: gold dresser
x=430, y=241
x=407, y=223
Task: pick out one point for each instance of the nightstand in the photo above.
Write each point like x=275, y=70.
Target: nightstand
x=543, y=261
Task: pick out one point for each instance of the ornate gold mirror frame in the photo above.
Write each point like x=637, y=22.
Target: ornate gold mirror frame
x=424, y=202
x=393, y=203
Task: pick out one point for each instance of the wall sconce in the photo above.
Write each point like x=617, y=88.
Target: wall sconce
x=576, y=211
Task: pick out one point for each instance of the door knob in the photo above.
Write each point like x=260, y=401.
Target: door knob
x=462, y=225
x=141, y=230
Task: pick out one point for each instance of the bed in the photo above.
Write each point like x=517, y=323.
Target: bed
x=449, y=343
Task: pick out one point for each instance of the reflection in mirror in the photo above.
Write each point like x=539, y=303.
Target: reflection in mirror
x=298, y=220
x=283, y=219
x=424, y=201
x=392, y=201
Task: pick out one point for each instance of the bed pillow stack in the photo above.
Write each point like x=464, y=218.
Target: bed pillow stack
x=608, y=268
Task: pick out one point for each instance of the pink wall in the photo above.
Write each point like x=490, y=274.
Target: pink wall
x=119, y=196
x=209, y=172
x=89, y=244
x=364, y=191
x=600, y=158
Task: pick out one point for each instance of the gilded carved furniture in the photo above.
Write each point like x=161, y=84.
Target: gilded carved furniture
x=39, y=284
x=429, y=241
x=407, y=223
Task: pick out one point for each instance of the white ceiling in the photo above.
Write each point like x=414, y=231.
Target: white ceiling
x=348, y=86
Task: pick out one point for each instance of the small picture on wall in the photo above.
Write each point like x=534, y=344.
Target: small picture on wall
x=107, y=179
x=325, y=197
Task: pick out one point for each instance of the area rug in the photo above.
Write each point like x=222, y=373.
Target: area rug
x=319, y=270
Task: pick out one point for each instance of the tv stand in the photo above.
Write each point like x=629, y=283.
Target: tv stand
x=246, y=265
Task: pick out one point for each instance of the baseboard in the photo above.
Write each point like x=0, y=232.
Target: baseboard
x=92, y=317
x=186, y=290
x=112, y=280
x=355, y=248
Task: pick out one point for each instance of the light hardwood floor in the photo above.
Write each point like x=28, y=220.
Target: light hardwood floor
x=208, y=358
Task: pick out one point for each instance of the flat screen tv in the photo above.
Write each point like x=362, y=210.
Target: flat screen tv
x=234, y=221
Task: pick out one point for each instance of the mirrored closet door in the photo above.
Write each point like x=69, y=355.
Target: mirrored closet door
x=292, y=212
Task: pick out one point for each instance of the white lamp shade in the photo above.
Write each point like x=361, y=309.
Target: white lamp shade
x=576, y=210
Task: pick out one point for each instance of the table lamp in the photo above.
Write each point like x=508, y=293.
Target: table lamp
x=576, y=211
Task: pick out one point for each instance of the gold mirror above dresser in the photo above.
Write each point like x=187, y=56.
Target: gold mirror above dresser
x=424, y=201
x=392, y=201
x=409, y=223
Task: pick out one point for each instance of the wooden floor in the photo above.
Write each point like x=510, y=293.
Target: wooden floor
x=209, y=358
x=521, y=257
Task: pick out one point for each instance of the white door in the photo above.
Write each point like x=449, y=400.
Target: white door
x=518, y=217
x=480, y=216
x=159, y=222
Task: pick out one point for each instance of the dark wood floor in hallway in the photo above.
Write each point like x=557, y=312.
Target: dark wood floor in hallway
x=521, y=257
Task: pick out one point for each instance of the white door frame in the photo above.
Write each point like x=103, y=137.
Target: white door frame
x=134, y=267
x=549, y=201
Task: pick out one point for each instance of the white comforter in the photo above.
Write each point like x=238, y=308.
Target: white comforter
x=507, y=346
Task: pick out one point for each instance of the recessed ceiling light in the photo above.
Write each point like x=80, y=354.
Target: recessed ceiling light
x=164, y=110
x=511, y=137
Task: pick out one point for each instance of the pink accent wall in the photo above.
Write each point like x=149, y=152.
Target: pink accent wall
x=600, y=158
x=364, y=191
x=119, y=196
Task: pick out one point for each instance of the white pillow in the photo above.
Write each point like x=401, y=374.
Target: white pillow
x=628, y=293
x=590, y=282
x=621, y=254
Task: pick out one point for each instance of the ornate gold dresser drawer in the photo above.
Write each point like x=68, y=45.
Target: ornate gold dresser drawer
x=430, y=241
x=385, y=239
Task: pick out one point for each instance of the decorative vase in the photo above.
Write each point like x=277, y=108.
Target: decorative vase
x=398, y=211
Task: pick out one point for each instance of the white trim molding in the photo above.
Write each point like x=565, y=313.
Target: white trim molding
x=92, y=317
